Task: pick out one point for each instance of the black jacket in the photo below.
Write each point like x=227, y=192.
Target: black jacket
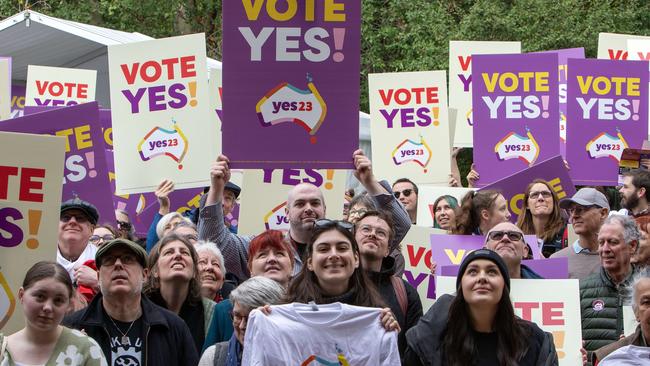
x=167, y=339
x=425, y=339
x=383, y=282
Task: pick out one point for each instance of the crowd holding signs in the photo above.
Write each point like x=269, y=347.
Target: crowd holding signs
x=473, y=260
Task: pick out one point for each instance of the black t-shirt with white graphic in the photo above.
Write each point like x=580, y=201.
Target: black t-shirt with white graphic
x=126, y=348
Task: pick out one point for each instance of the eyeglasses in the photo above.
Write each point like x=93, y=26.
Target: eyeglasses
x=535, y=195
x=95, y=239
x=360, y=212
x=406, y=193
x=579, y=210
x=123, y=225
x=367, y=230
x=327, y=223
x=126, y=259
x=80, y=218
x=237, y=319
x=512, y=235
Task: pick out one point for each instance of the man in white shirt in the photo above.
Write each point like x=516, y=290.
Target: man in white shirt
x=76, y=224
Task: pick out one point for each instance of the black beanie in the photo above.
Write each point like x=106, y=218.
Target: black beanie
x=484, y=254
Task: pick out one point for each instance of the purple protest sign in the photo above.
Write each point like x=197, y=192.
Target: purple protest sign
x=133, y=204
x=513, y=187
x=17, y=100
x=85, y=173
x=563, y=56
x=451, y=249
x=550, y=268
x=515, y=107
x=291, y=82
x=107, y=127
x=607, y=112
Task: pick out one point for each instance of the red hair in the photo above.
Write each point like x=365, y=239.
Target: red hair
x=273, y=239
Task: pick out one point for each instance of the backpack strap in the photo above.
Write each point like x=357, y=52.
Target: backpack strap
x=400, y=291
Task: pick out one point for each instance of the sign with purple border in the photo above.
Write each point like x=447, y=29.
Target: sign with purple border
x=451, y=249
x=513, y=187
x=291, y=76
x=608, y=112
x=516, y=108
x=549, y=268
x=85, y=174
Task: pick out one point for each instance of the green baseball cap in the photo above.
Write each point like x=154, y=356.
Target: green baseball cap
x=139, y=252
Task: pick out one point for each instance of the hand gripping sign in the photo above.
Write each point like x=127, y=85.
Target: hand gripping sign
x=287, y=103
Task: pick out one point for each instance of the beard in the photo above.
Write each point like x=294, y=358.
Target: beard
x=630, y=202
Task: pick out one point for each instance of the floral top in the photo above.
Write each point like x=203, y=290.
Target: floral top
x=72, y=349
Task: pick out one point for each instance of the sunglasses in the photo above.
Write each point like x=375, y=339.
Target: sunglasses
x=80, y=218
x=126, y=259
x=512, y=235
x=579, y=210
x=406, y=193
x=123, y=225
x=327, y=223
x=544, y=194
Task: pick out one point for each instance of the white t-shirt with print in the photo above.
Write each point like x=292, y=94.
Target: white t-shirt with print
x=295, y=334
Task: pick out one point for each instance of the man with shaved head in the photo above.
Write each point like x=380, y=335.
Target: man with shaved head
x=305, y=205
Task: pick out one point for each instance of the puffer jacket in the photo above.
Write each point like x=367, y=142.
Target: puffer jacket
x=601, y=308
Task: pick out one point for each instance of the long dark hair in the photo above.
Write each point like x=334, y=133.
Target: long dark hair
x=555, y=223
x=459, y=344
x=305, y=288
x=468, y=218
x=152, y=286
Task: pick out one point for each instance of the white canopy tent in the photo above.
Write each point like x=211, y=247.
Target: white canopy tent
x=33, y=38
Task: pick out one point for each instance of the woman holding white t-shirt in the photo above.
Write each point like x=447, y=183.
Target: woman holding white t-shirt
x=350, y=328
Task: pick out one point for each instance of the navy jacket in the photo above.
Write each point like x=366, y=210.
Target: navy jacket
x=167, y=338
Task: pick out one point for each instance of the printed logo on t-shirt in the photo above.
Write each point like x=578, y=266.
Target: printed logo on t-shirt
x=314, y=360
x=128, y=353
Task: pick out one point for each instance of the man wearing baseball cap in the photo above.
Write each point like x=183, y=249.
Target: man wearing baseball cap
x=587, y=209
x=77, y=221
x=127, y=326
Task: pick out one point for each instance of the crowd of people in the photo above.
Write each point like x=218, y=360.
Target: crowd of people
x=194, y=292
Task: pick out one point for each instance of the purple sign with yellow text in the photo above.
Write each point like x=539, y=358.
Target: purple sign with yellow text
x=607, y=112
x=85, y=174
x=291, y=76
x=513, y=187
x=548, y=268
x=516, y=110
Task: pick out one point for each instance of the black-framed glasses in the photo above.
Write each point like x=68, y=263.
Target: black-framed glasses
x=512, y=235
x=125, y=259
x=95, y=239
x=544, y=194
x=327, y=223
x=406, y=193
